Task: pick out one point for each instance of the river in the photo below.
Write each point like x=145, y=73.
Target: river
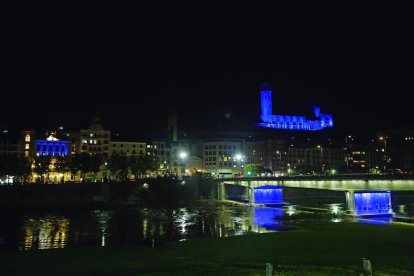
x=40, y=229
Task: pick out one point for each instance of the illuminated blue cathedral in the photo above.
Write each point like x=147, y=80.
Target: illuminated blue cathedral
x=289, y=122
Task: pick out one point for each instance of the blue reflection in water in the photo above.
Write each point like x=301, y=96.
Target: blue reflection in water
x=372, y=203
x=268, y=195
x=375, y=220
x=266, y=217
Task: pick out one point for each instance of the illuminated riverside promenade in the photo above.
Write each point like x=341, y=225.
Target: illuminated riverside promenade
x=365, y=194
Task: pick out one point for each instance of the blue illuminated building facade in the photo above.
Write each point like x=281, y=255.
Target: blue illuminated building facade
x=289, y=122
x=52, y=147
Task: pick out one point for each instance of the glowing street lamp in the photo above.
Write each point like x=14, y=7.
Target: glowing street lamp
x=183, y=156
x=384, y=150
x=239, y=158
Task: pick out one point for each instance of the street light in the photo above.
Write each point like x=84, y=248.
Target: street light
x=239, y=158
x=183, y=156
x=280, y=160
x=321, y=157
x=384, y=150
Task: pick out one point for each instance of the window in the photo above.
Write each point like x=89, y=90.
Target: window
x=105, y=141
x=27, y=138
x=26, y=146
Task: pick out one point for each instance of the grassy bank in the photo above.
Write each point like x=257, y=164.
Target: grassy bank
x=318, y=249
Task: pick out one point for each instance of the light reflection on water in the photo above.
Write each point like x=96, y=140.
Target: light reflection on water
x=146, y=227
x=45, y=233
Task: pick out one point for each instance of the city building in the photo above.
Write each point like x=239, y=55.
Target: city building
x=127, y=148
x=24, y=146
x=314, y=159
x=270, y=154
x=95, y=140
x=51, y=146
x=223, y=157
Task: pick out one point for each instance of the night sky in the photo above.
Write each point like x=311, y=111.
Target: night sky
x=62, y=63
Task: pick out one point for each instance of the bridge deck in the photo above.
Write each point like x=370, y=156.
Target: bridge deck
x=336, y=183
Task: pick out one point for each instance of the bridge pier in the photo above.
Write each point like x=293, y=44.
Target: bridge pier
x=368, y=203
x=250, y=192
x=221, y=191
x=350, y=202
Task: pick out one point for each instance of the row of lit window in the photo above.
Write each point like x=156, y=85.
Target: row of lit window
x=94, y=142
x=50, y=147
x=133, y=152
x=207, y=147
x=133, y=145
x=221, y=153
x=94, y=148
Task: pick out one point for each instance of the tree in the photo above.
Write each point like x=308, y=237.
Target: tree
x=42, y=166
x=141, y=164
x=79, y=163
x=17, y=166
x=24, y=170
x=118, y=165
x=253, y=169
x=62, y=164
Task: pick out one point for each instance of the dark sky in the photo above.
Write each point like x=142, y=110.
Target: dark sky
x=63, y=62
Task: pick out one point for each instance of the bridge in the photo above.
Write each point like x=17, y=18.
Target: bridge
x=365, y=194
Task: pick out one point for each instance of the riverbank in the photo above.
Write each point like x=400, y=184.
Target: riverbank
x=322, y=249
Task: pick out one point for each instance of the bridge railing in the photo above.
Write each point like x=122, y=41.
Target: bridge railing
x=323, y=177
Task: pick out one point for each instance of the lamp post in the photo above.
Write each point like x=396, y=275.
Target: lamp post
x=321, y=157
x=183, y=156
x=279, y=161
x=239, y=158
x=384, y=150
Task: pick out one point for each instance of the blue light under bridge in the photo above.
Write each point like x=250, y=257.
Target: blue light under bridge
x=268, y=195
x=373, y=203
x=321, y=121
